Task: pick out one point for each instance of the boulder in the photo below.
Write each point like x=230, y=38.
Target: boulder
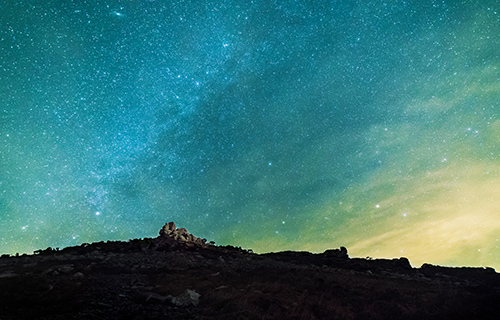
x=168, y=228
x=337, y=253
x=189, y=297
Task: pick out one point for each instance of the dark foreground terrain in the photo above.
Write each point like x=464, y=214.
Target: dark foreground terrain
x=179, y=276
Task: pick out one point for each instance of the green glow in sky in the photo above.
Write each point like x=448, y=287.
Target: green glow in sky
x=268, y=125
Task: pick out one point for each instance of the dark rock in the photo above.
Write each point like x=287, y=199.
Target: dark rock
x=8, y=274
x=78, y=276
x=188, y=298
x=155, y=297
x=337, y=253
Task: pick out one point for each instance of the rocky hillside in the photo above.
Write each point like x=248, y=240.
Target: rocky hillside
x=180, y=276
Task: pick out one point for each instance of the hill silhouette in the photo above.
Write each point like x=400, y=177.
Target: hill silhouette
x=180, y=276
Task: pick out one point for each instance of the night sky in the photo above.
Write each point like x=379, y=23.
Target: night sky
x=271, y=125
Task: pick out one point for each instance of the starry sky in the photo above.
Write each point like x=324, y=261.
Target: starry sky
x=271, y=125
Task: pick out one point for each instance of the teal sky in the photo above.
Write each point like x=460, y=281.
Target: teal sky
x=269, y=125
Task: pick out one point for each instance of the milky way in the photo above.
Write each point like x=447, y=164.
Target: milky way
x=271, y=125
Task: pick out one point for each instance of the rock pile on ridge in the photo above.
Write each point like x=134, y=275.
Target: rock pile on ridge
x=172, y=237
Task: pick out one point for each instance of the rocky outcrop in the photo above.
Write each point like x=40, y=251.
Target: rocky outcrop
x=337, y=253
x=173, y=237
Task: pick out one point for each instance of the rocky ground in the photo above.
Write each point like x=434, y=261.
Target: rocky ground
x=180, y=276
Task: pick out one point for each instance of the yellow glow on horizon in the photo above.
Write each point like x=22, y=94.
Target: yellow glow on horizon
x=451, y=220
